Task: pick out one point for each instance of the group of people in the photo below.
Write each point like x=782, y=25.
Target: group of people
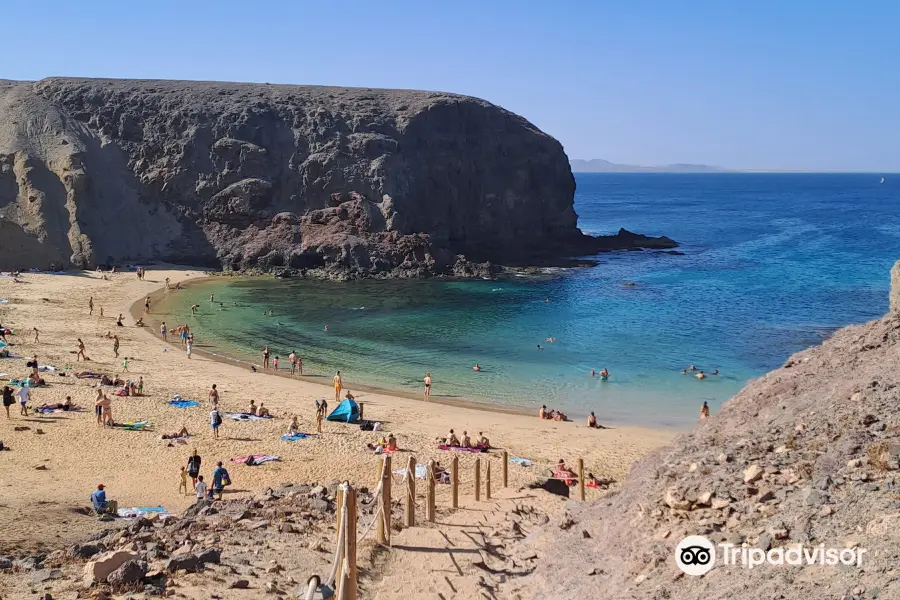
x=296, y=361
x=552, y=414
x=481, y=442
x=220, y=479
x=697, y=372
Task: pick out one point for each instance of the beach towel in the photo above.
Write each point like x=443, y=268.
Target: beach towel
x=135, y=426
x=120, y=392
x=521, y=461
x=4, y=301
x=420, y=471
x=48, y=369
x=293, y=437
x=461, y=449
x=136, y=511
x=43, y=410
x=258, y=459
x=183, y=403
x=246, y=417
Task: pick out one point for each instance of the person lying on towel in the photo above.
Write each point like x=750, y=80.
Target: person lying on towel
x=175, y=435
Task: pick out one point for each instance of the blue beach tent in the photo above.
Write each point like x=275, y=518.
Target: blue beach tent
x=346, y=412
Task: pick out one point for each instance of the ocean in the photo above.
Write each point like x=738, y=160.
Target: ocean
x=772, y=264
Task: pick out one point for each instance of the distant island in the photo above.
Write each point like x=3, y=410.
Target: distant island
x=598, y=165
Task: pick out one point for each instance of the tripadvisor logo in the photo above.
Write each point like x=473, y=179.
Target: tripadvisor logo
x=696, y=555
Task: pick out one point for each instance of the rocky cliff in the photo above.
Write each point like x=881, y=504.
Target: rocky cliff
x=353, y=181
x=809, y=454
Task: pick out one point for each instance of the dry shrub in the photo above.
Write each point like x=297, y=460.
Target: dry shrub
x=879, y=456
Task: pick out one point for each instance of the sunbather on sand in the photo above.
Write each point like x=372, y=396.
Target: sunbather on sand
x=564, y=473
x=183, y=432
x=295, y=426
x=391, y=443
x=67, y=405
x=252, y=408
x=466, y=442
x=263, y=411
x=483, y=442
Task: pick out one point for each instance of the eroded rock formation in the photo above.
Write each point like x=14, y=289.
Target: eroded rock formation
x=350, y=181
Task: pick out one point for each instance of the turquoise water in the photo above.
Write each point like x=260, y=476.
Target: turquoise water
x=772, y=265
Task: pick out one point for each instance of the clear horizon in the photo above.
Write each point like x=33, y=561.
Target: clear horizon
x=768, y=87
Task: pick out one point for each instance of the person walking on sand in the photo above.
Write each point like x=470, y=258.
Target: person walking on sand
x=116, y=345
x=163, y=332
x=220, y=479
x=338, y=386
x=36, y=335
x=427, y=386
x=24, y=394
x=214, y=395
x=292, y=358
x=704, y=411
x=266, y=357
x=200, y=487
x=8, y=399
x=147, y=305
x=91, y=305
x=80, y=355
x=215, y=420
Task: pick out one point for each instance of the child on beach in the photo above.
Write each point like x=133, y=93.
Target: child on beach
x=140, y=386
x=200, y=488
x=125, y=365
x=163, y=332
x=275, y=363
x=183, y=485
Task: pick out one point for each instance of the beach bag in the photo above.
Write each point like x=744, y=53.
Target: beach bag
x=226, y=479
x=218, y=419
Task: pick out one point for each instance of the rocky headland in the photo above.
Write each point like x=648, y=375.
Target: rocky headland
x=338, y=182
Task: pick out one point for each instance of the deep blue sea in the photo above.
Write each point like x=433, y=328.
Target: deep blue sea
x=773, y=264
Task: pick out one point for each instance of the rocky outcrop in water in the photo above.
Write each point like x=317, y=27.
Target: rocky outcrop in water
x=352, y=182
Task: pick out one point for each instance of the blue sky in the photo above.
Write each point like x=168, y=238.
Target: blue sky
x=754, y=85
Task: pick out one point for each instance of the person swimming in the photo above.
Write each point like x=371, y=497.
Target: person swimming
x=701, y=375
x=692, y=368
x=716, y=372
x=477, y=367
x=539, y=347
x=604, y=375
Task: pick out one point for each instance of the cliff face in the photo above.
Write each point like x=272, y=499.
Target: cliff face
x=357, y=180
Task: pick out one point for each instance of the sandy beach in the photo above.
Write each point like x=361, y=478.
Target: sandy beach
x=56, y=463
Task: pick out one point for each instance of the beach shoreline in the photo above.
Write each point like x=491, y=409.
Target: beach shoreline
x=153, y=322
x=57, y=459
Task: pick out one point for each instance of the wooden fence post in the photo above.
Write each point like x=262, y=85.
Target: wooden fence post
x=339, y=496
x=454, y=482
x=505, y=469
x=429, y=491
x=581, y=479
x=347, y=580
x=411, y=492
x=477, y=479
x=383, y=533
x=487, y=481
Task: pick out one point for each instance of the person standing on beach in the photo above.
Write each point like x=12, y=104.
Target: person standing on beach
x=338, y=386
x=8, y=399
x=116, y=345
x=190, y=346
x=300, y=365
x=91, y=305
x=193, y=466
x=266, y=357
x=200, y=487
x=140, y=387
x=293, y=360
x=214, y=395
x=24, y=393
x=215, y=420
x=704, y=411
x=147, y=305
x=275, y=363
x=163, y=332
x=80, y=355
x=320, y=414
x=167, y=283
x=427, y=386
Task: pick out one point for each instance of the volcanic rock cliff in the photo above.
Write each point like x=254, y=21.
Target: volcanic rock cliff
x=354, y=181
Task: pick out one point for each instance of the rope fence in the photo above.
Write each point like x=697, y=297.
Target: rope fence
x=343, y=573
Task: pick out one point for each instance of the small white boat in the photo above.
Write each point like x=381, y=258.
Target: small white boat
x=882, y=180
